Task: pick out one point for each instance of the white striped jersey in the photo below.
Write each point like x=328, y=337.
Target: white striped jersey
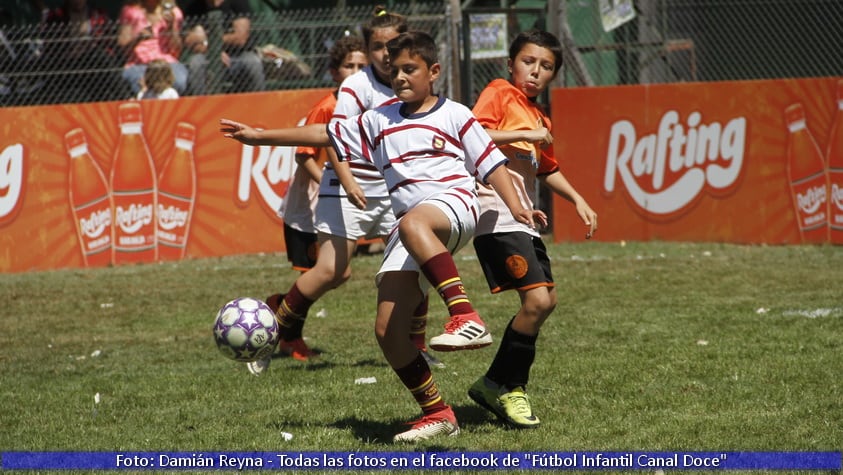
x=358, y=93
x=420, y=155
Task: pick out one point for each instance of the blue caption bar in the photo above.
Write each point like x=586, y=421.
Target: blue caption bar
x=614, y=461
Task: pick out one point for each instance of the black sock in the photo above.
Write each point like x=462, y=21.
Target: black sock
x=515, y=356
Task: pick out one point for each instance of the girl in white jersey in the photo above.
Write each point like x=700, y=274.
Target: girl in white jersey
x=430, y=151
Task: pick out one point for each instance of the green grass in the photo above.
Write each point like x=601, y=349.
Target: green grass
x=653, y=346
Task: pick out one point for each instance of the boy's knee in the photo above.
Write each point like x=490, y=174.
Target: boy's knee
x=540, y=305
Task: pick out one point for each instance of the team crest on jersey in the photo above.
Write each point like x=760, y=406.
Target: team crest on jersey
x=516, y=266
x=438, y=143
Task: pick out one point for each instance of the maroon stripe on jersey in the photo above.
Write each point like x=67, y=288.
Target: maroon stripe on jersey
x=489, y=149
x=404, y=128
x=364, y=140
x=346, y=151
x=458, y=193
x=353, y=94
x=467, y=199
x=467, y=126
x=412, y=181
x=422, y=154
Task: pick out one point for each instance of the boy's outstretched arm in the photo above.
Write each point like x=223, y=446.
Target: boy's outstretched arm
x=557, y=182
x=501, y=181
x=313, y=135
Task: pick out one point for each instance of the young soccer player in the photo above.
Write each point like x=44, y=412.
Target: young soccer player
x=346, y=57
x=512, y=254
x=430, y=151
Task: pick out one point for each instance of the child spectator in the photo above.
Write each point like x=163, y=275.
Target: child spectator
x=430, y=151
x=157, y=81
x=511, y=253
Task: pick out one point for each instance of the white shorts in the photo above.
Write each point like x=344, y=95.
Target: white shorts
x=338, y=217
x=463, y=221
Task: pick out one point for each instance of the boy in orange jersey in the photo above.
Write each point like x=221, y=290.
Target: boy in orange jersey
x=513, y=255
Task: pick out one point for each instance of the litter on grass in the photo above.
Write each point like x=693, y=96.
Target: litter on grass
x=815, y=313
x=369, y=380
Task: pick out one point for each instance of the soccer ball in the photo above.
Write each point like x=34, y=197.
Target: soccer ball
x=245, y=330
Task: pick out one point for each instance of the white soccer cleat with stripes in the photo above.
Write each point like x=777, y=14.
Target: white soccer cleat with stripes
x=464, y=332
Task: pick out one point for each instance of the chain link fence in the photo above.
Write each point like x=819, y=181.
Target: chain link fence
x=56, y=63
x=666, y=41
x=703, y=40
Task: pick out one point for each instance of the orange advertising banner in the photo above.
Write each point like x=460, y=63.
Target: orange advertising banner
x=740, y=162
x=111, y=183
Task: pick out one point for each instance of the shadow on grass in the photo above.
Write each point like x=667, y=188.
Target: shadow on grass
x=472, y=416
x=318, y=363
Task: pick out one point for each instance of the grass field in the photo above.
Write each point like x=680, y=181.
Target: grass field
x=654, y=346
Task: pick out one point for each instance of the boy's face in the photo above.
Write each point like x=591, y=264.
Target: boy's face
x=411, y=78
x=353, y=62
x=377, y=50
x=532, y=69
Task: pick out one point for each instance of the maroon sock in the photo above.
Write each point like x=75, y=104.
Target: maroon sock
x=292, y=313
x=442, y=274
x=417, y=377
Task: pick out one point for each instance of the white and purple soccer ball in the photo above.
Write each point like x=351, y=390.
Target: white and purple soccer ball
x=245, y=330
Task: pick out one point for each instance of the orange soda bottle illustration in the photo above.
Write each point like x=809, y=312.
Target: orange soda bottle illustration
x=133, y=186
x=834, y=160
x=808, y=184
x=176, y=193
x=89, y=201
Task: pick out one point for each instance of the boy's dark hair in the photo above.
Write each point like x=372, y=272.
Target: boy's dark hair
x=416, y=43
x=539, y=38
x=342, y=47
x=383, y=19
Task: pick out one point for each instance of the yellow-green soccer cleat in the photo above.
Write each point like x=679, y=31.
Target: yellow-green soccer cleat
x=511, y=406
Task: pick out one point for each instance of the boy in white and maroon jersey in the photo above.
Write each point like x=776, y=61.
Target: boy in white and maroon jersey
x=430, y=151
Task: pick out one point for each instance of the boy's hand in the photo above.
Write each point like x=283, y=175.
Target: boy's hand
x=356, y=196
x=526, y=216
x=540, y=218
x=589, y=217
x=238, y=131
x=541, y=136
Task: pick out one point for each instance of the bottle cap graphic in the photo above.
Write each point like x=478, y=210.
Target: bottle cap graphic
x=794, y=113
x=129, y=113
x=74, y=138
x=185, y=131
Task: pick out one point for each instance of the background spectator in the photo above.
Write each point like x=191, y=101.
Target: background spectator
x=78, y=48
x=242, y=65
x=151, y=29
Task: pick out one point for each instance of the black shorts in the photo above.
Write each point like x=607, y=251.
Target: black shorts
x=513, y=260
x=302, y=248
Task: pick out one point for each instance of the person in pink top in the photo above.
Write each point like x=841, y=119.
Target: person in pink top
x=149, y=30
